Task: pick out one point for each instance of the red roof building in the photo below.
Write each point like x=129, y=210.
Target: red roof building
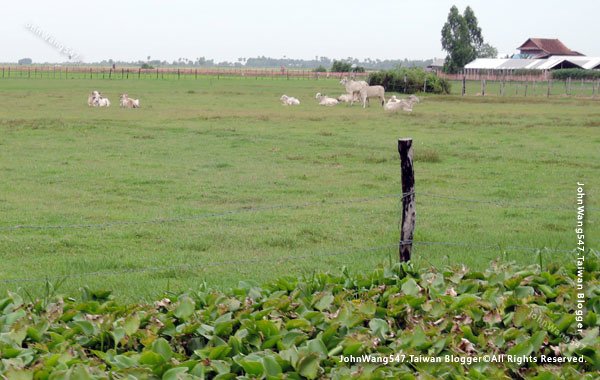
x=545, y=48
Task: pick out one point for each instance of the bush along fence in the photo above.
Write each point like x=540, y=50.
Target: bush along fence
x=86, y=72
x=410, y=81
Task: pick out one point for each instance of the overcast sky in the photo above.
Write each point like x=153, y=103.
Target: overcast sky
x=385, y=29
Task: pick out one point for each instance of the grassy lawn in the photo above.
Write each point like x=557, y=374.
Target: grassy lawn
x=214, y=181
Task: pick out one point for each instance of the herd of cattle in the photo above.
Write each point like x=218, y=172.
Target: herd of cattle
x=359, y=91
x=356, y=91
x=95, y=99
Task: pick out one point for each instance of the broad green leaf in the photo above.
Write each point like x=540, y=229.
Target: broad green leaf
x=537, y=340
x=324, y=303
x=132, y=324
x=379, y=327
x=410, y=287
x=161, y=347
x=272, y=368
x=185, y=308
x=118, y=334
x=317, y=346
x=174, y=373
x=267, y=327
x=564, y=322
x=463, y=300
x=299, y=323
x=151, y=359
x=86, y=327
x=252, y=367
x=522, y=349
x=219, y=352
x=308, y=366
x=524, y=291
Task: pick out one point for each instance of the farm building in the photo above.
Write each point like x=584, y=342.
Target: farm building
x=539, y=48
x=537, y=56
x=436, y=65
x=511, y=65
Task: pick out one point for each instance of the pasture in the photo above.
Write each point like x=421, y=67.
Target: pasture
x=215, y=181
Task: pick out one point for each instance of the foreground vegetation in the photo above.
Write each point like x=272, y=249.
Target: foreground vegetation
x=301, y=328
x=213, y=180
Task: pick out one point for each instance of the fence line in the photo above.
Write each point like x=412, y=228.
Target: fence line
x=345, y=252
x=88, y=72
x=245, y=210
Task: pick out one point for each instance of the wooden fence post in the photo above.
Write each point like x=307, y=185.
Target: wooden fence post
x=464, y=85
x=408, y=198
x=548, y=92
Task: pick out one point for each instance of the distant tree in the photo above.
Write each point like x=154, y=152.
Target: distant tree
x=146, y=66
x=487, y=51
x=340, y=67
x=25, y=61
x=462, y=40
x=357, y=69
x=320, y=69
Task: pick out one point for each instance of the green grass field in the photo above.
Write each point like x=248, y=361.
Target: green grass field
x=214, y=181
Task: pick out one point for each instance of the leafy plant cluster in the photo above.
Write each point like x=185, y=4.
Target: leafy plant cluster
x=410, y=80
x=299, y=328
x=564, y=74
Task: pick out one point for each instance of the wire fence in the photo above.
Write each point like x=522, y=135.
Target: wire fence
x=534, y=87
x=347, y=251
x=87, y=72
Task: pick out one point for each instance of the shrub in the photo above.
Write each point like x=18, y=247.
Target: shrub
x=298, y=328
x=410, y=80
x=147, y=66
x=563, y=74
x=320, y=69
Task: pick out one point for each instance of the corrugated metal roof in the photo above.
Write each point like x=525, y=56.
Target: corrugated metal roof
x=532, y=64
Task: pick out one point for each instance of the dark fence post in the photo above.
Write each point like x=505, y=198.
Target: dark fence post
x=464, y=86
x=408, y=198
